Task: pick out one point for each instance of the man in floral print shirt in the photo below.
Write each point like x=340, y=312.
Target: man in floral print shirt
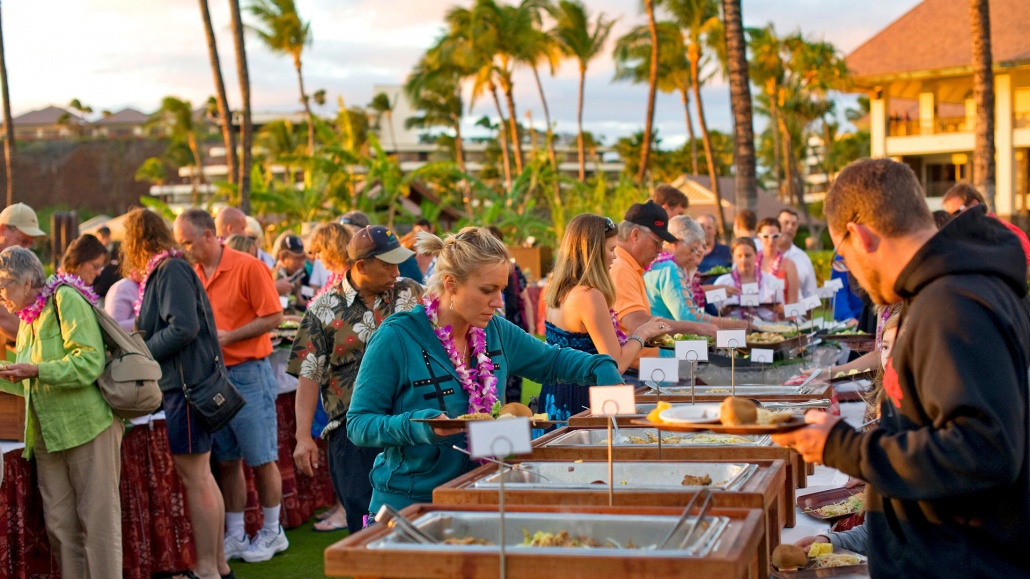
x=327, y=353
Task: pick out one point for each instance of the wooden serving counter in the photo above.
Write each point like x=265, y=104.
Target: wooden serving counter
x=734, y=556
x=763, y=490
x=797, y=471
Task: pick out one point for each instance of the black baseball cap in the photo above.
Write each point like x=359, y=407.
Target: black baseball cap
x=292, y=244
x=379, y=242
x=652, y=216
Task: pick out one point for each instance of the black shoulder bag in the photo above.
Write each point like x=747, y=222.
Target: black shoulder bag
x=214, y=398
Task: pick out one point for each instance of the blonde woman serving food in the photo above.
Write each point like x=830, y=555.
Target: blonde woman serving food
x=446, y=357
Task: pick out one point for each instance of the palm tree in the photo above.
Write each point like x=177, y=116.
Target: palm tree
x=8, y=123
x=983, y=95
x=702, y=29
x=277, y=142
x=285, y=33
x=245, y=125
x=540, y=48
x=740, y=102
x=767, y=71
x=632, y=56
x=175, y=117
x=224, y=114
x=583, y=41
x=652, y=86
x=383, y=108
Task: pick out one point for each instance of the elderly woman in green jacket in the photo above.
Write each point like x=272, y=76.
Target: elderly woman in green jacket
x=69, y=428
x=446, y=357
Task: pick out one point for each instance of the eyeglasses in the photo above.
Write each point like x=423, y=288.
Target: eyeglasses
x=839, y=265
x=654, y=237
x=769, y=235
x=609, y=225
x=6, y=283
x=960, y=209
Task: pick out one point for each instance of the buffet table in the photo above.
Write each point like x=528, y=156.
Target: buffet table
x=156, y=532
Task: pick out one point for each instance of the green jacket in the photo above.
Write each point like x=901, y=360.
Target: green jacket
x=70, y=356
x=392, y=389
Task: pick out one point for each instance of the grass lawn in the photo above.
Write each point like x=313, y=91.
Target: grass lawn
x=303, y=559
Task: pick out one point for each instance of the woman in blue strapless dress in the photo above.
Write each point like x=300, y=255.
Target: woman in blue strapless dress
x=579, y=315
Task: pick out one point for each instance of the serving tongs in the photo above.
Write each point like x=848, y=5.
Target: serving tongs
x=393, y=518
x=518, y=467
x=705, y=498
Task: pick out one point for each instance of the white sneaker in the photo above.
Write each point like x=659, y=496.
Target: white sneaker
x=265, y=545
x=235, y=547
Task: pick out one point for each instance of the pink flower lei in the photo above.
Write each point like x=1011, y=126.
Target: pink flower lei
x=151, y=266
x=663, y=256
x=334, y=279
x=31, y=313
x=480, y=384
x=776, y=264
x=697, y=291
x=735, y=274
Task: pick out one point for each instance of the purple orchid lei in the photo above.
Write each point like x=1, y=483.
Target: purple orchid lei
x=29, y=314
x=151, y=266
x=697, y=291
x=480, y=384
x=618, y=331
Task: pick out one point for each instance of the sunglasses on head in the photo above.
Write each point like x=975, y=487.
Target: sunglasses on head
x=609, y=225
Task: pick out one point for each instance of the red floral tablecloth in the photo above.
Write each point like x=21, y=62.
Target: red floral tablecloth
x=156, y=532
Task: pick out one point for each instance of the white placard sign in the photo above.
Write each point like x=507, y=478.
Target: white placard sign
x=819, y=323
x=835, y=283
x=749, y=288
x=730, y=338
x=499, y=438
x=663, y=370
x=715, y=296
x=775, y=283
x=794, y=310
x=307, y=291
x=611, y=400
x=284, y=302
x=694, y=350
x=826, y=292
x=762, y=355
x=749, y=300
x=812, y=302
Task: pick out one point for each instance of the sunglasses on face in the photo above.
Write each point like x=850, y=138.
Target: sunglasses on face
x=769, y=235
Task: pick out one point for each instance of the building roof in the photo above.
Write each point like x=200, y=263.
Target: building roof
x=935, y=36
x=702, y=200
x=124, y=117
x=46, y=116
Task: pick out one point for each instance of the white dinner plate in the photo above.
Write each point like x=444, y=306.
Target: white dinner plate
x=691, y=413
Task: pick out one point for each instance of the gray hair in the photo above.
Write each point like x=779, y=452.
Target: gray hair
x=199, y=220
x=626, y=228
x=19, y=264
x=686, y=229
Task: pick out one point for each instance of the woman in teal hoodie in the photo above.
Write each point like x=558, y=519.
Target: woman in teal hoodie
x=446, y=357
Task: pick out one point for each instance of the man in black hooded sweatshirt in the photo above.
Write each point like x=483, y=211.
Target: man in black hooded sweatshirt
x=948, y=468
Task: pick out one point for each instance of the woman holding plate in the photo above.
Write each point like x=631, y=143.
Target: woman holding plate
x=445, y=359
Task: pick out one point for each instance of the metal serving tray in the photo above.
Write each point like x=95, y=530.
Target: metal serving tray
x=743, y=389
x=642, y=531
x=629, y=476
x=599, y=436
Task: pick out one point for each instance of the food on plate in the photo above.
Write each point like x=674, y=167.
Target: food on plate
x=817, y=549
x=770, y=417
x=852, y=504
x=764, y=338
x=849, y=333
x=466, y=541
x=475, y=416
x=515, y=409
x=851, y=372
x=559, y=539
x=690, y=480
x=787, y=556
x=669, y=341
x=658, y=409
x=718, y=390
x=789, y=329
x=543, y=416
x=706, y=438
x=835, y=560
x=735, y=411
x=717, y=270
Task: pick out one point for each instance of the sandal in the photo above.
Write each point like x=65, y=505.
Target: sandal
x=336, y=522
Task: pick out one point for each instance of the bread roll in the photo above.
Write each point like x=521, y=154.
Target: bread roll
x=786, y=556
x=736, y=411
x=516, y=409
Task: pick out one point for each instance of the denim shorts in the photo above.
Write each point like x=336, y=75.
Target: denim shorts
x=252, y=434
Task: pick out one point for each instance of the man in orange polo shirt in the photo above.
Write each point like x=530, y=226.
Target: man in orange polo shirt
x=639, y=241
x=246, y=307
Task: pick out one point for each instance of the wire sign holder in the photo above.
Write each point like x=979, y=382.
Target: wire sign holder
x=497, y=439
x=731, y=339
x=610, y=401
x=693, y=351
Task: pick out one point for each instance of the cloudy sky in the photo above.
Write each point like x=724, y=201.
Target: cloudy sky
x=116, y=53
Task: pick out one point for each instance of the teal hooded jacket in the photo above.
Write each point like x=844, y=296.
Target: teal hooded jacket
x=406, y=374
